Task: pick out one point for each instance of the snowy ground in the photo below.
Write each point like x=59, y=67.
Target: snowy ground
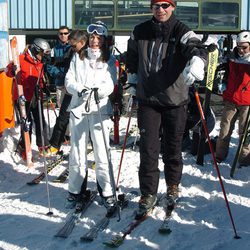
x=201, y=221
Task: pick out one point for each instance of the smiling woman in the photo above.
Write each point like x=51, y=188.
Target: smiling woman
x=96, y=71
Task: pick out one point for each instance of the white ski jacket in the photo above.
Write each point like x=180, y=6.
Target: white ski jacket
x=82, y=76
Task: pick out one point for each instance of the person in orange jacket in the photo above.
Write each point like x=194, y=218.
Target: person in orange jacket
x=31, y=77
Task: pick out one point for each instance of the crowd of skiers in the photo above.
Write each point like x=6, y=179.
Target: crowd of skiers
x=164, y=59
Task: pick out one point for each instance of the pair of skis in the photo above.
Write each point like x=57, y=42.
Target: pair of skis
x=211, y=68
x=119, y=238
x=74, y=217
x=21, y=102
x=101, y=224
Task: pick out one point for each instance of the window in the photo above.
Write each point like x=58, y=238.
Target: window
x=131, y=13
x=87, y=12
x=220, y=15
x=123, y=15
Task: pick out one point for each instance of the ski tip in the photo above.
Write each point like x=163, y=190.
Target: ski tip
x=14, y=41
x=116, y=241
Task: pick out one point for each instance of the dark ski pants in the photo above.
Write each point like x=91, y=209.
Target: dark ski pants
x=33, y=111
x=171, y=121
x=62, y=122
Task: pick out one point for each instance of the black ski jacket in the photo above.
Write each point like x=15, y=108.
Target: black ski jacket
x=158, y=53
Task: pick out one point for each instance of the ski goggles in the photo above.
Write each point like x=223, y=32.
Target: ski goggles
x=98, y=29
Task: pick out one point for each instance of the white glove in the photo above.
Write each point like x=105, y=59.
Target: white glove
x=194, y=70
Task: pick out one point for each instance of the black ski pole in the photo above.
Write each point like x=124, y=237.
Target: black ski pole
x=111, y=171
x=214, y=159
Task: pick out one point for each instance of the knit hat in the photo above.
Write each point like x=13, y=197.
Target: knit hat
x=172, y=2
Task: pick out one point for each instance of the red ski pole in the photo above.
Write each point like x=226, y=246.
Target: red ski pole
x=130, y=111
x=214, y=159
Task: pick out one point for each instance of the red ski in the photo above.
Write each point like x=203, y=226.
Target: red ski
x=21, y=102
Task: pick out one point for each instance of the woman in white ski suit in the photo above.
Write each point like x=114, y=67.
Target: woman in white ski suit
x=81, y=78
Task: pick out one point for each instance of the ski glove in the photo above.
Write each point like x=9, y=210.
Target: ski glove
x=80, y=94
x=194, y=70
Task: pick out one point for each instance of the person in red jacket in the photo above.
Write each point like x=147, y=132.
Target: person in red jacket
x=236, y=98
x=31, y=77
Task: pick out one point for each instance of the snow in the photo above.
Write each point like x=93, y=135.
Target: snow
x=201, y=220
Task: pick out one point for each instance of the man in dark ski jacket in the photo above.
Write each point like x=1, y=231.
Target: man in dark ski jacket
x=61, y=57
x=164, y=58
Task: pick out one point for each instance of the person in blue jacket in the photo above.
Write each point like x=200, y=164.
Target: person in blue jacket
x=60, y=59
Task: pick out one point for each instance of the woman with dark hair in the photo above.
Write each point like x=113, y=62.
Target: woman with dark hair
x=92, y=68
x=78, y=39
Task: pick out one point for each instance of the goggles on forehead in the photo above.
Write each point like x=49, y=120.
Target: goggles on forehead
x=98, y=29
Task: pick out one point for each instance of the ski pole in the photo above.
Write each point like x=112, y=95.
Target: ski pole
x=38, y=89
x=111, y=171
x=48, y=117
x=131, y=100
x=214, y=159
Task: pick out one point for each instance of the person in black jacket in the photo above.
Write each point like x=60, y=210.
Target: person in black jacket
x=164, y=58
x=57, y=69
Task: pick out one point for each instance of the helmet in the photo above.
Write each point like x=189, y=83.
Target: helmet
x=99, y=27
x=243, y=37
x=41, y=45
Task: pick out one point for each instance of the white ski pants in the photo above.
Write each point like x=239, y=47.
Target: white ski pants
x=80, y=130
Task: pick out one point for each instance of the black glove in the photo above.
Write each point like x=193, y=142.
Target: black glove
x=14, y=68
x=82, y=92
x=46, y=91
x=212, y=47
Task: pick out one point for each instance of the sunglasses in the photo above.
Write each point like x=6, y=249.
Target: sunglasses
x=98, y=29
x=158, y=6
x=63, y=33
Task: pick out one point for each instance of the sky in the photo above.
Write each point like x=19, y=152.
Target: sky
x=200, y=221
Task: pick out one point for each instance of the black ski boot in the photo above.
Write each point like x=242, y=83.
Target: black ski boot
x=146, y=204
x=82, y=200
x=71, y=200
x=111, y=206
